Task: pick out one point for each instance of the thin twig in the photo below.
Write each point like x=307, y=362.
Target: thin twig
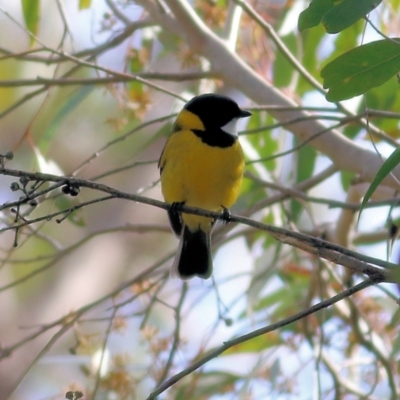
x=177, y=332
x=104, y=80
x=355, y=261
x=259, y=332
x=68, y=320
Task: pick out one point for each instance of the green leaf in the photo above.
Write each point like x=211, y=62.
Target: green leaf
x=346, y=13
x=346, y=178
x=383, y=172
x=31, y=11
x=73, y=101
x=306, y=158
x=305, y=162
x=84, y=4
x=312, y=16
x=352, y=130
x=335, y=15
x=361, y=69
x=311, y=42
x=65, y=202
x=256, y=345
x=347, y=40
x=283, y=70
x=385, y=97
x=36, y=248
x=206, y=384
x=263, y=141
x=396, y=343
x=272, y=299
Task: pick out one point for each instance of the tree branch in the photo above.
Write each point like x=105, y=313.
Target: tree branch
x=337, y=254
x=262, y=331
x=346, y=154
x=159, y=76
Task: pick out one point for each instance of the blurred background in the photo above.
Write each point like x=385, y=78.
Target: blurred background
x=86, y=301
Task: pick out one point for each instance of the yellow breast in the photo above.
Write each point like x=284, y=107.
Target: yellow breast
x=200, y=175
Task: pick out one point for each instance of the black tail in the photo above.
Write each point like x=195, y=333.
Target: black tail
x=194, y=255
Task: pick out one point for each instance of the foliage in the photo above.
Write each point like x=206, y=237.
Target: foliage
x=302, y=304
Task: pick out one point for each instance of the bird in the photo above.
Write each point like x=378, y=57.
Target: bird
x=201, y=166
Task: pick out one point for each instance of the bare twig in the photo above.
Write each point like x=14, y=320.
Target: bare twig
x=342, y=151
x=176, y=339
x=160, y=76
x=262, y=331
x=329, y=251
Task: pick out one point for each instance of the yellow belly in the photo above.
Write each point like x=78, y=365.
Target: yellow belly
x=200, y=175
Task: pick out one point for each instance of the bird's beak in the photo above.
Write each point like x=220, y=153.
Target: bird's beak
x=244, y=114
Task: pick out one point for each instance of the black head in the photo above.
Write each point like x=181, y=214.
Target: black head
x=214, y=110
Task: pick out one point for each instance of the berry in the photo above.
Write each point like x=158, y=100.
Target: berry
x=24, y=180
x=66, y=189
x=33, y=203
x=14, y=186
x=74, y=191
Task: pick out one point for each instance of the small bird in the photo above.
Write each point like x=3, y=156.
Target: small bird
x=201, y=166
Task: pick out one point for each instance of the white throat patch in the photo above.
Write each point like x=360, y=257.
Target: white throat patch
x=230, y=128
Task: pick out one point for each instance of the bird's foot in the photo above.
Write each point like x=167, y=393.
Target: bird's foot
x=176, y=206
x=226, y=215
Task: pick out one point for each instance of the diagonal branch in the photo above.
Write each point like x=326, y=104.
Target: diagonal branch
x=346, y=154
x=332, y=252
x=259, y=332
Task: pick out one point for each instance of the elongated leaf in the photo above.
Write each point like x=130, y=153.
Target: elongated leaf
x=31, y=11
x=312, y=16
x=355, y=72
x=72, y=102
x=207, y=385
x=283, y=70
x=383, y=172
x=84, y=4
x=385, y=97
x=335, y=15
x=273, y=298
x=346, y=13
x=306, y=158
x=256, y=345
x=65, y=202
x=346, y=179
x=312, y=40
